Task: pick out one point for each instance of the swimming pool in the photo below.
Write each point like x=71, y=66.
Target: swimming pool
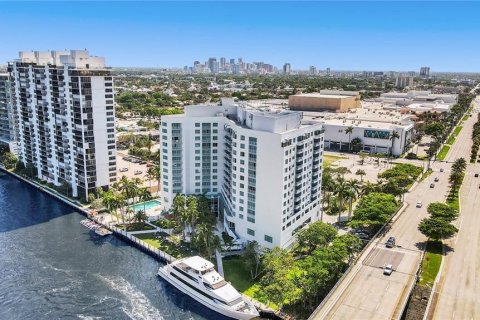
x=148, y=205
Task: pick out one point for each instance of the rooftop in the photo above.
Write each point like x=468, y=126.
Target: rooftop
x=321, y=95
x=198, y=263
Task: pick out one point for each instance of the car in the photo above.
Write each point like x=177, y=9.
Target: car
x=432, y=185
x=143, y=162
x=135, y=160
x=419, y=204
x=436, y=179
x=476, y=175
x=362, y=235
x=390, y=242
x=123, y=169
x=388, y=269
x=137, y=172
x=441, y=169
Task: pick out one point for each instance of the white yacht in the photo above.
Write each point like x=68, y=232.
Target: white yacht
x=198, y=278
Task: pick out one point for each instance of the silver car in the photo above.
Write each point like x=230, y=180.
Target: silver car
x=388, y=270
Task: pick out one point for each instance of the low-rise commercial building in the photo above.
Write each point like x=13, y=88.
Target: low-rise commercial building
x=327, y=100
x=263, y=166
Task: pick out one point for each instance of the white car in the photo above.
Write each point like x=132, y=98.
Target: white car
x=388, y=269
x=123, y=170
x=419, y=204
x=138, y=172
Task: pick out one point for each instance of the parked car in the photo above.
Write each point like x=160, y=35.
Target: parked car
x=123, y=169
x=390, y=242
x=137, y=172
x=388, y=269
x=441, y=169
x=476, y=175
x=432, y=185
x=362, y=235
x=436, y=179
x=419, y=204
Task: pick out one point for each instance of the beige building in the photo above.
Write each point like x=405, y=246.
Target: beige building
x=338, y=101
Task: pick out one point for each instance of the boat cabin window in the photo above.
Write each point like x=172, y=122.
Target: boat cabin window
x=207, y=271
x=216, y=285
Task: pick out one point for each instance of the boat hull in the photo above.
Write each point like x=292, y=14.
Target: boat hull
x=204, y=301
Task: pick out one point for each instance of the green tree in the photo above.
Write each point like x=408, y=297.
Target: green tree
x=361, y=173
x=253, y=260
x=349, y=131
x=374, y=209
x=9, y=160
x=393, y=136
x=316, y=235
x=442, y=211
x=436, y=228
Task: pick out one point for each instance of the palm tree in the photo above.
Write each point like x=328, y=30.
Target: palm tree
x=353, y=191
x=178, y=207
x=140, y=217
x=349, y=131
x=341, y=191
x=369, y=187
x=361, y=173
x=394, y=135
x=144, y=195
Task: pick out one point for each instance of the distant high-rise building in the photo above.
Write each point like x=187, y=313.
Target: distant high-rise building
x=404, y=81
x=223, y=62
x=211, y=63
x=328, y=70
x=286, y=68
x=235, y=68
x=232, y=61
x=240, y=60
x=313, y=70
x=411, y=73
x=425, y=72
x=65, y=112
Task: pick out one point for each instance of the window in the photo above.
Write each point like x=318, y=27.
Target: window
x=251, y=232
x=268, y=238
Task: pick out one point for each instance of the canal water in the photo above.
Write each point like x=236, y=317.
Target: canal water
x=51, y=267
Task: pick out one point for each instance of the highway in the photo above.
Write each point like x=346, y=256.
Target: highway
x=365, y=293
x=457, y=295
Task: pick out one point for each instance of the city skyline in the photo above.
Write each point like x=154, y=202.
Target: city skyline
x=340, y=36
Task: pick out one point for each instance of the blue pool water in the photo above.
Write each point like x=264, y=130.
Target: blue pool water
x=148, y=205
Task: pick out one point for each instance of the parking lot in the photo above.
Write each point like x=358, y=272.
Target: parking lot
x=134, y=170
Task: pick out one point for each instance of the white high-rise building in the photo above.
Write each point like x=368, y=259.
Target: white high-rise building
x=286, y=68
x=264, y=167
x=66, y=119
x=7, y=119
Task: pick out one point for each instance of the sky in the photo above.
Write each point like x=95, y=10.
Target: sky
x=341, y=35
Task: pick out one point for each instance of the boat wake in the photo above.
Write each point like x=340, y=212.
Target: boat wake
x=136, y=305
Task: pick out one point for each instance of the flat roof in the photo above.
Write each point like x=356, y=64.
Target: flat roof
x=366, y=124
x=320, y=95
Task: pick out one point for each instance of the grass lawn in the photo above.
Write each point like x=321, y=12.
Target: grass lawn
x=443, y=153
x=431, y=263
x=136, y=226
x=457, y=130
x=237, y=273
x=329, y=159
x=465, y=117
x=451, y=139
x=453, y=201
x=164, y=245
